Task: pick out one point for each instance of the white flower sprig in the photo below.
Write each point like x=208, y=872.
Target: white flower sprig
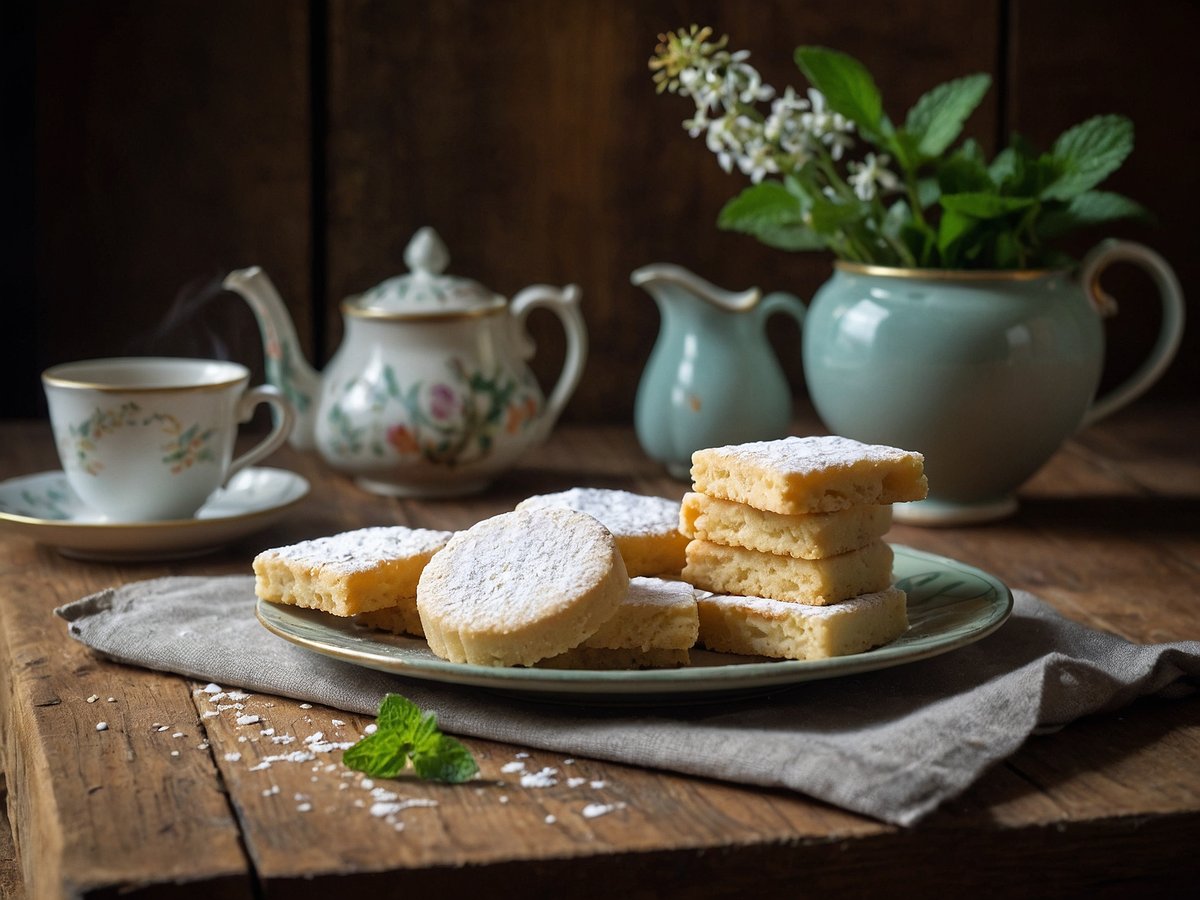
x=726, y=89
x=830, y=170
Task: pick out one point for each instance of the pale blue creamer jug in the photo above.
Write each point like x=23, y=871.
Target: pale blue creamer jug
x=712, y=378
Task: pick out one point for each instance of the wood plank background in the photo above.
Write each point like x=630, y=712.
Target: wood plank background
x=151, y=147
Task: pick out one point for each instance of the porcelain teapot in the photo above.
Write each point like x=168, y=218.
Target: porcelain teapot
x=429, y=394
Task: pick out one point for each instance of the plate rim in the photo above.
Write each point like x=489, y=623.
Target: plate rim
x=716, y=680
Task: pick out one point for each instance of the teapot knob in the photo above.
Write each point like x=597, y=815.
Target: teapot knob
x=426, y=253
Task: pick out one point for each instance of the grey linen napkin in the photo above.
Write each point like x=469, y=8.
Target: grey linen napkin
x=891, y=744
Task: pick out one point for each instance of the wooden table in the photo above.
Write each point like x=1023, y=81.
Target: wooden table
x=161, y=803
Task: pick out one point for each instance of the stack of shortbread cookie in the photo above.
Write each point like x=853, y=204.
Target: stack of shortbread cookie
x=787, y=535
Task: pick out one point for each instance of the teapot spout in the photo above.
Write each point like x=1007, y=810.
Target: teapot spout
x=286, y=367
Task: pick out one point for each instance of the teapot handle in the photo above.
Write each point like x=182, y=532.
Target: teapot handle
x=1170, y=332
x=564, y=303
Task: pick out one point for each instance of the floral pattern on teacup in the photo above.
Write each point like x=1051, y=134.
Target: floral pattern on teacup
x=451, y=422
x=186, y=445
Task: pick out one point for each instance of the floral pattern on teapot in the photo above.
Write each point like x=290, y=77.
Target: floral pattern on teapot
x=450, y=423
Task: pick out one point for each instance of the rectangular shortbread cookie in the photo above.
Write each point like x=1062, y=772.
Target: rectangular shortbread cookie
x=655, y=614
x=402, y=618
x=753, y=626
x=654, y=627
x=799, y=475
x=818, y=582
x=810, y=536
x=349, y=573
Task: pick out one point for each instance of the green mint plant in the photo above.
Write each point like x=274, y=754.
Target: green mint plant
x=831, y=171
x=403, y=733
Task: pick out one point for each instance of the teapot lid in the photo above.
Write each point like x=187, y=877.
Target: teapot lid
x=425, y=291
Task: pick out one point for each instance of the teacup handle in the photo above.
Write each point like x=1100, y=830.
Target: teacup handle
x=564, y=303
x=1169, y=335
x=284, y=420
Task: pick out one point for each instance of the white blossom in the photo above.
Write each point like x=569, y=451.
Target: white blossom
x=872, y=176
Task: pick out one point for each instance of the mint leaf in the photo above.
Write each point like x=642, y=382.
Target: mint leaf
x=937, y=117
x=402, y=732
x=383, y=754
x=1089, y=208
x=771, y=213
x=398, y=713
x=962, y=174
x=444, y=759
x=848, y=87
x=953, y=229
x=1089, y=153
x=984, y=205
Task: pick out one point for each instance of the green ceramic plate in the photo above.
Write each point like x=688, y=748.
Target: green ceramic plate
x=950, y=605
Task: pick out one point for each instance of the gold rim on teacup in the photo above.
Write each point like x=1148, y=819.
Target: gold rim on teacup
x=54, y=376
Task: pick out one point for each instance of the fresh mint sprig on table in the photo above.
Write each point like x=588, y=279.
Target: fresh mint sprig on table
x=909, y=198
x=403, y=733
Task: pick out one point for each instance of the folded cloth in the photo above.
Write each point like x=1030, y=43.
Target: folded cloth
x=892, y=744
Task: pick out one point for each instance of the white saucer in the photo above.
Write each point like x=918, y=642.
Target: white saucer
x=43, y=507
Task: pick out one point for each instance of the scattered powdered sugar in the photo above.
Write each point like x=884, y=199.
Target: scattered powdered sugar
x=592, y=810
x=384, y=802
x=542, y=779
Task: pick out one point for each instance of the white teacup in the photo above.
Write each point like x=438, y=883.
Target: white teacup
x=149, y=438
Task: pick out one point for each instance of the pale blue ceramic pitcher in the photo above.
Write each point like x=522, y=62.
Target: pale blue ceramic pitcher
x=712, y=378
x=984, y=372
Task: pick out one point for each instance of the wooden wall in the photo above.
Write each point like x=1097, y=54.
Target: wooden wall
x=153, y=146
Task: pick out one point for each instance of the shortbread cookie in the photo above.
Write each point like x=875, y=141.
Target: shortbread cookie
x=654, y=627
x=349, y=573
x=521, y=586
x=798, y=475
x=646, y=528
x=736, y=570
x=402, y=618
x=810, y=536
x=754, y=626
x=655, y=612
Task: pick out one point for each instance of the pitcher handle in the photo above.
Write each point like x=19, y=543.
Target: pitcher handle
x=1170, y=333
x=564, y=303
x=782, y=302
x=284, y=420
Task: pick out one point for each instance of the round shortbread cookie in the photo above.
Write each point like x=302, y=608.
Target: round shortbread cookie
x=646, y=528
x=520, y=587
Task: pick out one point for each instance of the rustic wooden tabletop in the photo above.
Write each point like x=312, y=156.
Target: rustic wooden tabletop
x=1107, y=533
